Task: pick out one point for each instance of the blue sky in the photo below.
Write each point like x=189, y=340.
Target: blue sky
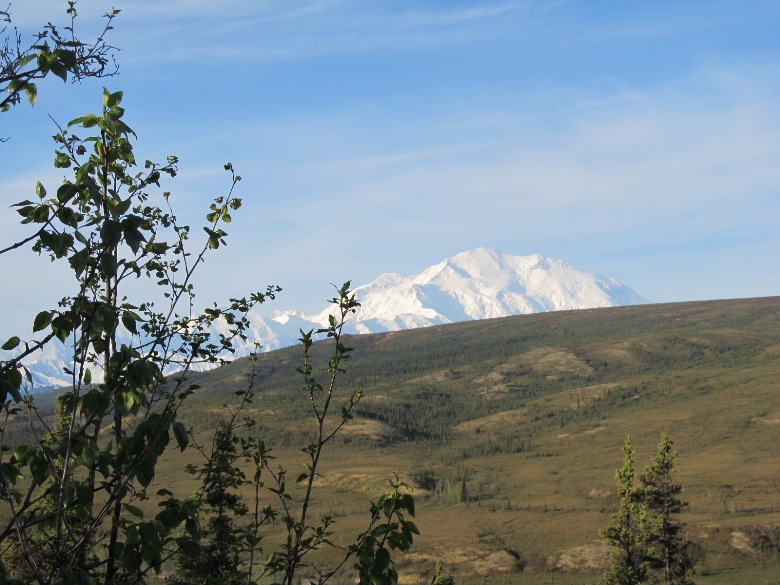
x=639, y=140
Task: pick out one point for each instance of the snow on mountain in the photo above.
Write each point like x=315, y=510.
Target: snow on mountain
x=476, y=284
x=482, y=284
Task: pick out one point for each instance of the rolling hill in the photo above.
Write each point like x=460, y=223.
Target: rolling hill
x=510, y=430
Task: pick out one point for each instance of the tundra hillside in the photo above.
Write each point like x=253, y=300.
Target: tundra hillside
x=511, y=431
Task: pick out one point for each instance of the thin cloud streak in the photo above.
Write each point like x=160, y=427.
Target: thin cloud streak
x=273, y=31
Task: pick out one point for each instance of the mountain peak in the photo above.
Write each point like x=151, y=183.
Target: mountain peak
x=484, y=283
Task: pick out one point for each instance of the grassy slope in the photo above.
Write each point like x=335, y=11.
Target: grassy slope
x=525, y=417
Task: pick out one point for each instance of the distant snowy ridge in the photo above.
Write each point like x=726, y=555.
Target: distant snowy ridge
x=476, y=284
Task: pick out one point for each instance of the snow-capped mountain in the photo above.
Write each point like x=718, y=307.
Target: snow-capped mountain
x=482, y=284
x=476, y=284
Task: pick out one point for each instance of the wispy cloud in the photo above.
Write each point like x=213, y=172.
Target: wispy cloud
x=634, y=171
x=263, y=31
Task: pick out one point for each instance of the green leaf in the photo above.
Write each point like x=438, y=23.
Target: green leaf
x=189, y=547
x=66, y=191
x=39, y=468
x=87, y=121
x=60, y=71
x=213, y=238
x=119, y=207
x=129, y=321
x=68, y=217
x=388, y=507
x=40, y=190
x=41, y=214
x=58, y=243
x=89, y=453
x=182, y=437
x=399, y=541
x=407, y=503
x=109, y=264
x=12, y=343
x=61, y=327
x=382, y=559
x=79, y=261
x=32, y=93
x=111, y=100
x=145, y=472
x=110, y=233
x=25, y=60
x=133, y=510
x=61, y=161
x=10, y=381
x=133, y=237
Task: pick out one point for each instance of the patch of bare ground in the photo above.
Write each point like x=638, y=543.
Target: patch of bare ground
x=500, y=419
x=499, y=375
x=588, y=558
x=475, y=561
x=442, y=376
x=494, y=391
x=254, y=413
x=756, y=540
x=407, y=577
x=496, y=382
x=241, y=378
x=594, y=493
x=553, y=362
x=590, y=431
x=496, y=562
x=373, y=430
x=348, y=482
x=375, y=397
x=584, y=395
x=618, y=352
x=740, y=542
x=771, y=351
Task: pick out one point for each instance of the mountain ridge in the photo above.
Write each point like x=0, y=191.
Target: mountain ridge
x=472, y=285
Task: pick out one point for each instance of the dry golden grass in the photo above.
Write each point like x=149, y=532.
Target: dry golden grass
x=587, y=558
x=372, y=430
x=497, y=382
x=441, y=376
x=554, y=362
x=494, y=421
x=538, y=518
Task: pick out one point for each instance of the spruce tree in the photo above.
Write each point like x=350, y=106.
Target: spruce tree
x=219, y=561
x=624, y=534
x=668, y=553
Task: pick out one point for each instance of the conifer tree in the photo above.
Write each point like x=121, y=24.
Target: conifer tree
x=624, y=534
x=218, y=561
x=667, y=551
